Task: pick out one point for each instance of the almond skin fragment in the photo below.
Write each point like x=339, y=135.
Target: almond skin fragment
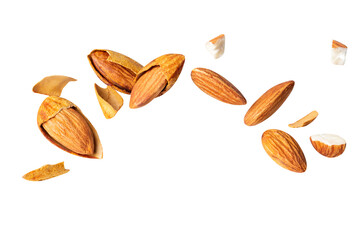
x=46, y=172
x=52, y=85
x=284, y=150
x=64, y=125
x=114, y=69
x=328, y=145
x=305, y=120
x=268, y=103
x=217, y=86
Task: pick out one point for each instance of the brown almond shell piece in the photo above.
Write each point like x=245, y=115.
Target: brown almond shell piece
x=120, y=59
x=46, y=172
x=52, y=85
x=216, y=86
x=268, y=103
x=284, y=150
x=170, y=65
x=305, y=120
x=110, y=101
x=53, y=105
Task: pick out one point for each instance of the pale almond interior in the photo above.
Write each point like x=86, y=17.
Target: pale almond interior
x=328, y=139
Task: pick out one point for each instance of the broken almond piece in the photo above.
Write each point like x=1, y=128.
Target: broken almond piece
x=52, y=85
x=305, y=120
x=328, y=145
x=338, y=53
x=110, y=101
x=46, y=172
x=216, y=46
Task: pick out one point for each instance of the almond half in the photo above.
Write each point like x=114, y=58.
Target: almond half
x=328, y=145
x=284, y=150
x=217, y=86
x=268, y=103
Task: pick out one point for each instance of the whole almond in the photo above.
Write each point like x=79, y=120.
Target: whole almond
x=114, y=69
x=156, y=78
x=284, y=150
x=217, y=86
x=268, y=103
x=64, y=125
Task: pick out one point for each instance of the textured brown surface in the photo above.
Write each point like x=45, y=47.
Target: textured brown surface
x=328, y=151
x=114, y=69
x=49, y=108
x=46, y=172
x=284, y=150
x=336, y=44
x=305, y=120
x=72, y=131
x=268, y=103
x=217, y=86
x=148, y=87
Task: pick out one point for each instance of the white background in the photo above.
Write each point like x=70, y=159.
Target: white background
x=185, y=166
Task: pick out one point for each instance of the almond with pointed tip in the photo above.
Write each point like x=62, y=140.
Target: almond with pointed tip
x=268, y=103
x=114, y=69
x=328, y=145
x=156, y=78
x=217, y=86
x=284, y=150
x=64, y=125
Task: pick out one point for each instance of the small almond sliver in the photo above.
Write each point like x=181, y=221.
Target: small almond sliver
x=305, y=120
x=46, y=172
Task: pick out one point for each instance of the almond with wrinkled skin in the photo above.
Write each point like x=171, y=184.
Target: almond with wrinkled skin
x=46, y=172
x=114, y=69
x=156, y=78
x=284, y=150
x=217, y=86
x=64, y=125
x=268, y=103
x=328, y=145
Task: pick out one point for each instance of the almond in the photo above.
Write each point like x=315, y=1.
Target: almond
x=64, y=125
x=338, y=53
x=114, y=69
x=284, y=150
x=217, y=86
x=156, y=78
x=268, y=103
x=328, y=145
x=216, y=46
x=305, y=120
